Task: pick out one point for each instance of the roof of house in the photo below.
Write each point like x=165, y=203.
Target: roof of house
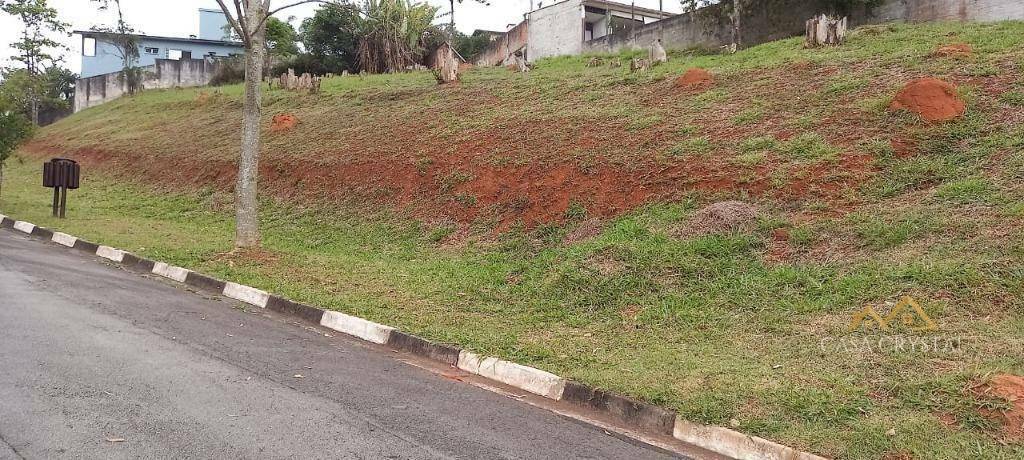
x=626, y=8
x=98, y=34
x=616, y=6
x=487, y=32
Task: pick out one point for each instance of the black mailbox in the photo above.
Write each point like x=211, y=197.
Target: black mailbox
x=61, y=174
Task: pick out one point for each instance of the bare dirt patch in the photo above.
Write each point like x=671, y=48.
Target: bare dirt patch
x=695, y=79
x=931, y=98
x=1011, y=388
x=283, y=122
x=954, y=50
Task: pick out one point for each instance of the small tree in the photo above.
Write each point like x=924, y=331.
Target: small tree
x=38, y=20
x=248, y=19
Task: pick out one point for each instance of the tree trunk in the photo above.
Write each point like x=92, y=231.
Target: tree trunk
x=737, y=25
x=823, y=30
x=247, y=232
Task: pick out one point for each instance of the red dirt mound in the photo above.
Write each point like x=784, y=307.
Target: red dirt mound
x=954, y=50
x=283, y=122
x=695, y=78
x=931, y=98
x=1011, y=388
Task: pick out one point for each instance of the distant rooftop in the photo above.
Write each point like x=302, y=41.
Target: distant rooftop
x=100, y=34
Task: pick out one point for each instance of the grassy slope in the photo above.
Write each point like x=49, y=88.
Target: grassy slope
x=724, y=328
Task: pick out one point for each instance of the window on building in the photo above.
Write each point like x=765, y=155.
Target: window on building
x=88, y=46
x=174, y=54
x=150, y=50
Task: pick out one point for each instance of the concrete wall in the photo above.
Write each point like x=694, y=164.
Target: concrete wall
x=498, y=52
x=108, y=58
x=164, y=73
x=776, y=19
x=963, y=10
x=556, y=30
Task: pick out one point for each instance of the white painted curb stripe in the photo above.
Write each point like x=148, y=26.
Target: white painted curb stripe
x=2, y=217
x=351, y=325
x=169, y=271
x=526, y=378
x=735, y=444
x=246, y=294
x=25, y=227
x=108, y=252
x=64, y=239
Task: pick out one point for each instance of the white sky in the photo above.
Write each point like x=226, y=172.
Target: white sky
x=178, y=18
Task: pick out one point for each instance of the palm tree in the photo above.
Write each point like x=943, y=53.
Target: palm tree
x=392, y=34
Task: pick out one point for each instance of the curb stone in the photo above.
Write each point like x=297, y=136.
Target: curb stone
x=63, y=239
x=204, y=283
x=526, y=378
x=24, y=227
x=249, y=295
x=638, y=415
x=169, y=271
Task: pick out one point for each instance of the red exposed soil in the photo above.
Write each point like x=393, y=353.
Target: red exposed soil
x=460, y=187
x=1011, y=388
x=954, y=50
x=283, y=122
x=902, y=148
x=931, y=98
x=695, y=79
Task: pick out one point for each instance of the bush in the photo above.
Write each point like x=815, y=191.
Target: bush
x=305, y=63
x=229, y=71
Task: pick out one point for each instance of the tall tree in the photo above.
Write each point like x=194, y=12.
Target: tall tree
x=331, y=37
x=248, y=18
x=39, y=21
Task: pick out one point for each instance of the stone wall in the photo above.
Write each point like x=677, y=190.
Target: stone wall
x=166, y=73
x=775, y=19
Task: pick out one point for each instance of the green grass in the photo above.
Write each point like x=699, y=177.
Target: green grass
x=724, y=328
x=692, y=146
x=809, y=147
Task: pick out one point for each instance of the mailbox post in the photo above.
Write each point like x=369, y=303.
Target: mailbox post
x=60, y=174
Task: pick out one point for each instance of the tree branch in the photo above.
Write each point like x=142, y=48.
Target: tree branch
x=231, y=20
x=243, y=22
x=277, y=10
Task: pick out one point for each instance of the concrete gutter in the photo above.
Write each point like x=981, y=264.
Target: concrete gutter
x=639, y=417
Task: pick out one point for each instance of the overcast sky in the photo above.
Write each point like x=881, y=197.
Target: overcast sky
x=178, y=18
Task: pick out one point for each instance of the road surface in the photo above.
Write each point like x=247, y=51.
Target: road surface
x=97, y=362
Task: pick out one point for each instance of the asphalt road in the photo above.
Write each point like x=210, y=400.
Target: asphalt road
x=96, y=362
